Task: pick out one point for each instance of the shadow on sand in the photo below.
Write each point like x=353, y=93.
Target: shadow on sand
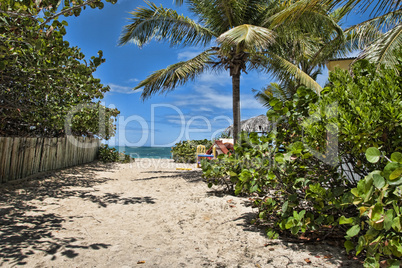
x=27, y=230
x=331, y=250
x=192, y=176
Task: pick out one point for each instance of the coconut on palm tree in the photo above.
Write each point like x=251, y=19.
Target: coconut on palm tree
x=237, y=36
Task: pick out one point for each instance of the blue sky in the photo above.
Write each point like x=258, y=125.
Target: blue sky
x=197, y=110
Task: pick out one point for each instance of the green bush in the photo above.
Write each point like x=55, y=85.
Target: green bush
x=108, y=154
x=300, y=192
x=376, y=228
x=249, y=160
x=369, y=114
x=184, y=151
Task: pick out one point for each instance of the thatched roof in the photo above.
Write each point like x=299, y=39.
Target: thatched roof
x=255, y=124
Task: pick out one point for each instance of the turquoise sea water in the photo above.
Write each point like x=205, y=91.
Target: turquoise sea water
x=146, y=152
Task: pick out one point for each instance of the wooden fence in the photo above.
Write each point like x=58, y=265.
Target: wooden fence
x=23, y=157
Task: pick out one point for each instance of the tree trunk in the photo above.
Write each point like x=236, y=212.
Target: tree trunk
x=236, y=105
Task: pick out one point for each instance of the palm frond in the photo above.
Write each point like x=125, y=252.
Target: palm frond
x=178, y=2
x=377, y=7
x=177, y=74
x=163, y=24
x=249, y=36
x=215, y=14
x=383, y=50
x=300, y=7
x=283, y=91
x=263, y=96
x=364, y=33
x=293, y=12
x=293, y=70
x=282, y=69
x=255, y=11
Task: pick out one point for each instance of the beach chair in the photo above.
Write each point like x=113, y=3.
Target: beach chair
x=201, y=153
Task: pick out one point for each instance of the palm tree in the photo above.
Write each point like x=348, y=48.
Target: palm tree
x=380, y=37
x=243, y=37
x=305, y=52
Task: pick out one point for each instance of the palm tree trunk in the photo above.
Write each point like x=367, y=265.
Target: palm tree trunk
x=236, y=105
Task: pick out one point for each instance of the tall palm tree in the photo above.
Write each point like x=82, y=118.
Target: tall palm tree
x=242, y=37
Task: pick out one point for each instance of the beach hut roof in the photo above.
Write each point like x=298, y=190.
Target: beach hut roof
x=255, y=124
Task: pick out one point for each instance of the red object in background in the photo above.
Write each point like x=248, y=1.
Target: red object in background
x=226, y=148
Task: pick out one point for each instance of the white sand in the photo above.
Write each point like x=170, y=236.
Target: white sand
x=144, y=214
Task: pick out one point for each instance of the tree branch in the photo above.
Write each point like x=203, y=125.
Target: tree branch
x=67, y=10
x=16, y=14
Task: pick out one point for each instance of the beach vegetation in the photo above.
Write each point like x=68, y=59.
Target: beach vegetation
x=43, y=78
x=108, y=154
x=317, y=173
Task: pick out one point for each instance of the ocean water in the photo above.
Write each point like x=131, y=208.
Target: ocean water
x=146, y=152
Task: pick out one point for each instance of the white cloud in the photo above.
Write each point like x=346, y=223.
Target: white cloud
x=203, y=109
x=133, y=80
x=122, y=89
x=188, y=54
x=213, y=79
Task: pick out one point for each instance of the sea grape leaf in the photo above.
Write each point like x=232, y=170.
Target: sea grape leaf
x=396, y=224
x=344, y=220
x=396, y=157
x=378, y=181
x=349, y=246
x=353, y=231
x=377, y=212
x=373, y=155
x=389, y=168
x=285, y=206
x=388, y=219
x=395, y=174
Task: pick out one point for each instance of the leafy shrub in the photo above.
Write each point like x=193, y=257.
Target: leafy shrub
x=376, y=227
x=184, y=151
x=299, y=191
x=249, y=160
x=125, y=158
x=369, y=114
x=107, y=154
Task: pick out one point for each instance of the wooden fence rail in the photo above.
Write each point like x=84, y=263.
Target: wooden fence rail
x=22, y=157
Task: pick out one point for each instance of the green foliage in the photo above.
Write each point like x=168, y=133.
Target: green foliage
x=107, y=154
x=242, y=169
x=376, y=228
x=369, y=114
x=42, y=78
x=185, y=151
x=306, y=184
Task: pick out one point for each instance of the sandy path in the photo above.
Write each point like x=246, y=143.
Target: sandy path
x=145, y=214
